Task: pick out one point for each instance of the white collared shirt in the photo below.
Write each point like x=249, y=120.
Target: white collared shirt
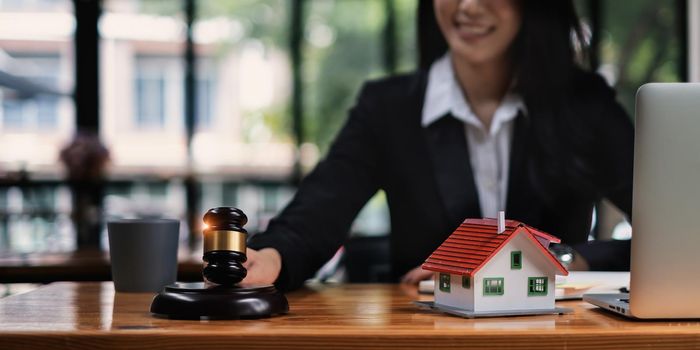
x=489, y=150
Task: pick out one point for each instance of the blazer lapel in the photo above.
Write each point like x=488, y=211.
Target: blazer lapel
x=519, y=201
x=448, y=150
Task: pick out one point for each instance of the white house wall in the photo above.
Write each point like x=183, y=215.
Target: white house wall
x=515, y=285
x=458, y=296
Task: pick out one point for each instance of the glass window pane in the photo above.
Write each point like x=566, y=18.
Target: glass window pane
x=206, y=77
x=405, y=12
x=37, y=110
x=343, y=48
x=150, y=90
x=142, y=108
x=243, y=87
x=639, y=44
x=12, y=114
x=46, y=112
x=36, y=120
x=142, y=86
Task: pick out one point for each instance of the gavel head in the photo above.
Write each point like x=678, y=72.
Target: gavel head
x=225, y=245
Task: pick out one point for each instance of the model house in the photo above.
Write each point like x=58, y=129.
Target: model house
x=485, y=267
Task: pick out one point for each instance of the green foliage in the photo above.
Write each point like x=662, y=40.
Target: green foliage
x=334, y=74
x=161, y=7
x=641, y=42
x=265, y=20
x=271, y=124
x=343, y=46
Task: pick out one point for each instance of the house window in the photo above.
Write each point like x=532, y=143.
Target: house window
x=150, y=100
x=205, y=102
x=537, y=286
x=516, y=260
x=206, y=85
x=34, y=109
x=155, y=83
x=445, y=282
x=493, y=286
x=466, y=282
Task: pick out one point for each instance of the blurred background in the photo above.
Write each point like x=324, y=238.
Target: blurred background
x=147, y=108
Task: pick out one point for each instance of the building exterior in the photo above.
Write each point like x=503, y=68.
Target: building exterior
x=242, y=151
x=240, y=82
x=481, y=270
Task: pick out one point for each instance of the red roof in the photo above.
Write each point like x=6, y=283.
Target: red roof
x=476, y=241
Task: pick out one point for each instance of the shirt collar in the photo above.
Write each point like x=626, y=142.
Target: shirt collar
x=443, y=96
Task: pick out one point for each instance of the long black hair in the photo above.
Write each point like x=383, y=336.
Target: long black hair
x=546, y=54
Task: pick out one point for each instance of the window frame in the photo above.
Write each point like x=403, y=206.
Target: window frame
x=466, y=282
x=532, y=285
x=41, y=112
x=519, y=265
x=500, y=290
x=444, y=280
x=156, y=79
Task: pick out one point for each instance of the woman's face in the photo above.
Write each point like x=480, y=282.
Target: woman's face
x=478, y=31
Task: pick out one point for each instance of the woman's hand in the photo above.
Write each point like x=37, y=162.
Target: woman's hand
x=578, y=263
x=263, y=266
x=416, y=275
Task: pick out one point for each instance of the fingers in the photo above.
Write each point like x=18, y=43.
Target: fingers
x=259, y=274
x=263, y=266
x=416, y=275
x=578, y=263
x=251, y=255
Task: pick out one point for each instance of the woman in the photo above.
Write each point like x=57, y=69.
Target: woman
x=499, y=117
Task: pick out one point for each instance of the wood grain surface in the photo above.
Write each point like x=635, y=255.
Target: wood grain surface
x=92, y=316
x=81, y=265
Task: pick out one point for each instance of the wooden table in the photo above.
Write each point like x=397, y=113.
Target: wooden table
x=81, y=265
x=91, y=316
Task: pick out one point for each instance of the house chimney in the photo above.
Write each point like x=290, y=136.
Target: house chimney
x=501, y=221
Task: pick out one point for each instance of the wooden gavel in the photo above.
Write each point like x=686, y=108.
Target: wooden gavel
x=225, y=246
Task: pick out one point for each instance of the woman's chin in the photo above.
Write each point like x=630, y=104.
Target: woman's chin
x=470, y=55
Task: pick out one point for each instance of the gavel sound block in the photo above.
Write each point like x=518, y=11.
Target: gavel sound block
x=220, y=296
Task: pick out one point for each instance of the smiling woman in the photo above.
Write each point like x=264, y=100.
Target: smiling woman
x=479, y=34
x=479, y=31
x=499, y=117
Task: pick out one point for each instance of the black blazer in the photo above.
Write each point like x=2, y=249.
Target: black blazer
x=428, y=180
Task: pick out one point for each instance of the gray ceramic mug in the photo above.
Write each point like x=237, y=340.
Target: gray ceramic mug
x=143, y=253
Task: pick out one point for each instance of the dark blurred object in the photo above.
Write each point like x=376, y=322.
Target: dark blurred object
x=431, y=43
x=86, y=159
x=87, y=64
x=367, y=260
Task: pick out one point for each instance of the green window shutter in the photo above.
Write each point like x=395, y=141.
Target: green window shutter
x=536, y=286
x=493, y=286
x=516, y=260
x=466, y=282
x=445, y=282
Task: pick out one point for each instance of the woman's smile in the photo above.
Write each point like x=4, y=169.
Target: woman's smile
x=470, y=31
x=478, y=31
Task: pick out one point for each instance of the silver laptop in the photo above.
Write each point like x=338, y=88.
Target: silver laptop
x=665, y=261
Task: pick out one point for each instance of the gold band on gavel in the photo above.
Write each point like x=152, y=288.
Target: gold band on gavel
x=225, y=240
